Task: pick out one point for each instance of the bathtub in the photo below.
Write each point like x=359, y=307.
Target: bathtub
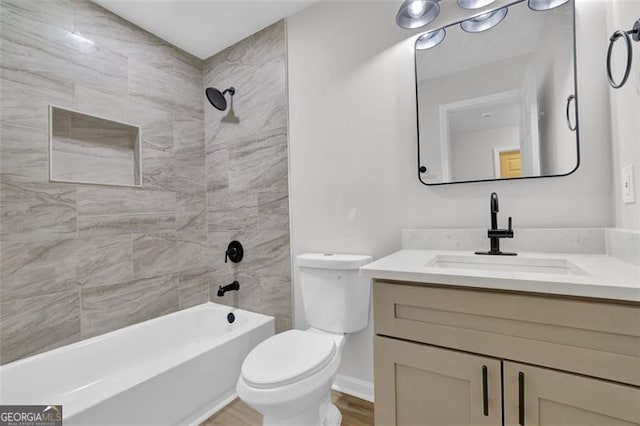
x=176, y=369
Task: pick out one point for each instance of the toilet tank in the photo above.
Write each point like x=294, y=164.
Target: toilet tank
x=335, y=296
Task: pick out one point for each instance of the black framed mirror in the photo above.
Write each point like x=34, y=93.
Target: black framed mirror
x=497, y=97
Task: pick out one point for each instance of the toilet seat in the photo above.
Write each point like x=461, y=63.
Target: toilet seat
x=287, y=358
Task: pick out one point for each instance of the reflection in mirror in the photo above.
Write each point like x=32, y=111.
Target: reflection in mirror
x=499, y=103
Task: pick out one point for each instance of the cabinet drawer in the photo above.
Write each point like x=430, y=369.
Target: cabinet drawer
x=586, y=337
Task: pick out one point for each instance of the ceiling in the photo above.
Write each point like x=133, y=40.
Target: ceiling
x=203, y=27
x=486, y=117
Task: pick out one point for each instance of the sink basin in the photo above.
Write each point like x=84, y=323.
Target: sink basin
x=507, y=264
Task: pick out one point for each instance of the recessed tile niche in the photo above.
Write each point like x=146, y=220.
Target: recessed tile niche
x=93, y=150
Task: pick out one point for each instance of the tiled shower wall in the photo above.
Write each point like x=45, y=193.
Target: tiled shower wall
x=247, y=178
x=81, y=260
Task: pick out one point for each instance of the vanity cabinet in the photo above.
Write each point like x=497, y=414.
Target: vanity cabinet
x=451, y=355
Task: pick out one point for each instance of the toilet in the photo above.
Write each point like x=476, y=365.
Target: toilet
x=288, y=377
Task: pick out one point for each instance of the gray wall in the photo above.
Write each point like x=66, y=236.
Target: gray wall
x=247, y=177
x=82, y=260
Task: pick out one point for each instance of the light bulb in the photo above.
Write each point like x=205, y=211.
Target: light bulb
x=416, y=8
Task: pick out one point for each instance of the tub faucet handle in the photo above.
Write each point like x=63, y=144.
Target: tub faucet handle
x=234, y=252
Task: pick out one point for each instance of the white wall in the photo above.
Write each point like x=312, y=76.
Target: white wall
x=625, y=114
x=528, y=124
x=555, y=84
x=472, y=152
x=461, y=86
x=353, y=177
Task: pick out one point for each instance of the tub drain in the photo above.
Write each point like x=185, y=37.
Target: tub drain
x=231, y=317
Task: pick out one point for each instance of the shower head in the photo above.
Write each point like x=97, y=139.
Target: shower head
x=217, y=99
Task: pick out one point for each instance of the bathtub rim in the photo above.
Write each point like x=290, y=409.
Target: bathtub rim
x=85, y=342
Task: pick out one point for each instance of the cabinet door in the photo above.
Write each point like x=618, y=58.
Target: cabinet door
x=536, y=396
x=423, y=385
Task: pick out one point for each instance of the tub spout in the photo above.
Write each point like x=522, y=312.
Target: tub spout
x=235, y=286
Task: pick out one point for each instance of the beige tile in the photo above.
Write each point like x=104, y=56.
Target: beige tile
x=97, y=201
x=190, y=148
x=273, y=208
x=103, y=260
x=31, y=212
x=158, y=168
x=195, y=277
x=217, y=167
x=55, y=13
x=187, y=72
x=192, y=226
x=24, y=126
x=31, y=269
x=152, y=84
x=193, y=296
x=270, y=43
x=283, y=324
x=37, y=324
x=193, y=255
x=111, y=106
x=111, y=307
x=155, y=254
x=125, y=224
x=115, y=33
x=259, y=164
x=157, y=125
x=232, y=210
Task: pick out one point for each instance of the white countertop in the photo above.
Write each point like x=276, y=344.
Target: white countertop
x=607, y=277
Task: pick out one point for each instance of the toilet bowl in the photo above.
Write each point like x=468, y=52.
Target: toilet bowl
x=288, y=377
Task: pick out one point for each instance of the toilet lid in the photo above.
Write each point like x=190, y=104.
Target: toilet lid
x=286, y=358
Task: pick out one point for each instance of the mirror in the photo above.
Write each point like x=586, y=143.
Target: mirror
x=499, y=103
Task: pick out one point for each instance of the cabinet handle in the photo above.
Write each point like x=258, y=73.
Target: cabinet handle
x=485, y=391
x=521, y=398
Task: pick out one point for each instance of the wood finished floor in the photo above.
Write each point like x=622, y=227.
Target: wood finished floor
x=355, y=412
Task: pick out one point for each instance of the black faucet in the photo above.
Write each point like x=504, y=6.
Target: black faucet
x=234, y=286
x=494, y=233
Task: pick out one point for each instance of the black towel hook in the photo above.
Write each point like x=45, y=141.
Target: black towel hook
x=627, y=36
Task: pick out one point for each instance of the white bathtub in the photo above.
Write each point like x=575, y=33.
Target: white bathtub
x=176, y=369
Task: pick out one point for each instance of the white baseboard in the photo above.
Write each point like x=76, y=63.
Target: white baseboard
x=354, y=387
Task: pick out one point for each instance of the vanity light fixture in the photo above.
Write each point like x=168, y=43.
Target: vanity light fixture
x=474, y=4
x=484, y=21
x=430, y=39
x=542, y=5
x=417, y=13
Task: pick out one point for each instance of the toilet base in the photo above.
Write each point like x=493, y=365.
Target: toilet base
x=326, y=414
x=333, y=417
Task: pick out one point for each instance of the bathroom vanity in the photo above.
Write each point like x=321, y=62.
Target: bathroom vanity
x=535, y=339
